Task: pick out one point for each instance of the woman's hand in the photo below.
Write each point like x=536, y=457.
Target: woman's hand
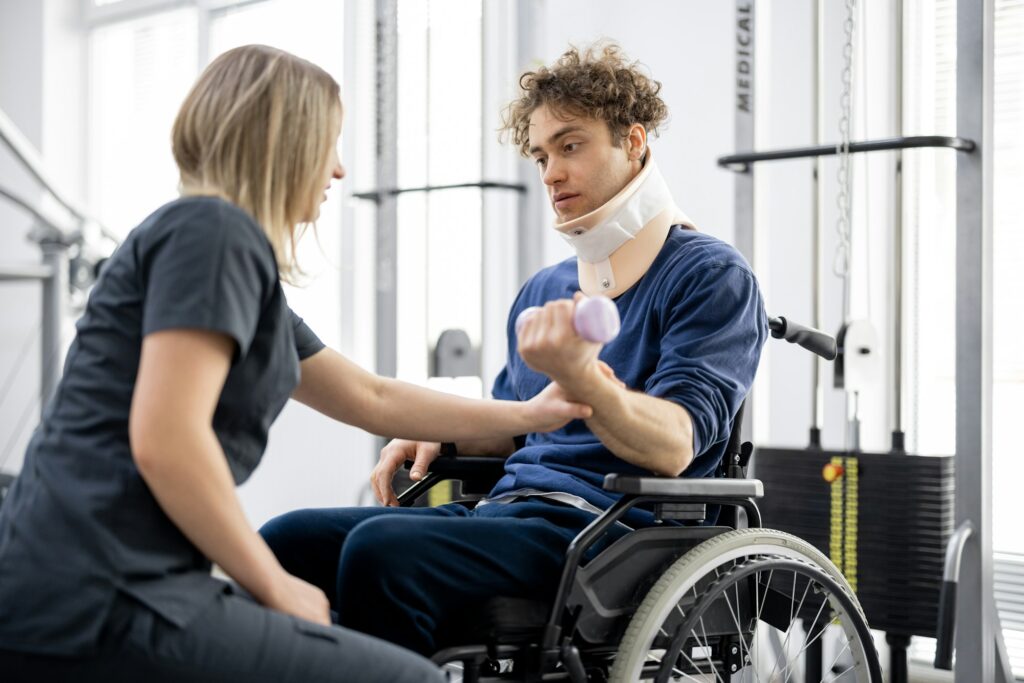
x=551, y=409
x=292, y=595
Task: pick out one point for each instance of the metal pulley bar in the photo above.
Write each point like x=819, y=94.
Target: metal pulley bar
x=376, y=195
x=740, y=162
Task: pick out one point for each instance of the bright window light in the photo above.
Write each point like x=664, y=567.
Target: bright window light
x=140, y=71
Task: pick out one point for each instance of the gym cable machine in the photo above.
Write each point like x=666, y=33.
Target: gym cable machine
x=920, y=558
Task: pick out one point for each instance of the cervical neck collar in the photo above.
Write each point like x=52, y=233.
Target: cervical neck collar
x=616, y=243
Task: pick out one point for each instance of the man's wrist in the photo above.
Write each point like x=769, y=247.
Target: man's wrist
x=583, y=383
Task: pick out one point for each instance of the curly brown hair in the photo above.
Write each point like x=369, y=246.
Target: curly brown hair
x=599, y=83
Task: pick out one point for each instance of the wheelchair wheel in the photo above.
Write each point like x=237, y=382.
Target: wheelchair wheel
x=744, y=606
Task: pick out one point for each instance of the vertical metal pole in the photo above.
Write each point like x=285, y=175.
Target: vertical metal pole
x=386, y=288
x=744, y=188
x=817, y=221
x=534, y=214
x=55, y=293
x=975, y=609
x=500, y=209
x=743, y=237
x=897, y=239
x=202, y=34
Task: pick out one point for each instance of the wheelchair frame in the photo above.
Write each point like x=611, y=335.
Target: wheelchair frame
x=557, y=656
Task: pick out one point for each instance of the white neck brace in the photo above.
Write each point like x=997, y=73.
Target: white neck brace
x=616, y=243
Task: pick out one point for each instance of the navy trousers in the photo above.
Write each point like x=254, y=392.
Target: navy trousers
x=406, y=574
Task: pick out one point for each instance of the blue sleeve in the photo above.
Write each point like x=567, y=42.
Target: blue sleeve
x=502, y=389
x=713, y=329
x=207, y=270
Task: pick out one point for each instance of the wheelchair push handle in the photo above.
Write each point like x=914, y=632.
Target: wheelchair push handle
x=596, y=319
x=809, y=338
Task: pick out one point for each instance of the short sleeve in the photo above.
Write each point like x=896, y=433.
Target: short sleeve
x=502, y=389
x=306, y=341
x=206, y=267
x=714, y=329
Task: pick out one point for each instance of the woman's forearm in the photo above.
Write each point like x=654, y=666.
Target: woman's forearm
x=420, y=414
x=338, y=388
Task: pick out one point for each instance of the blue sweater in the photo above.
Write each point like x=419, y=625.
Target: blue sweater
x=692, y=332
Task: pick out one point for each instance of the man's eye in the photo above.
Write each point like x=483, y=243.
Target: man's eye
x=571, y=146
x=540, y=161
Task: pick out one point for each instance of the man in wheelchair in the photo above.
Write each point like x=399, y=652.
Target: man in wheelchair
x=665, y=393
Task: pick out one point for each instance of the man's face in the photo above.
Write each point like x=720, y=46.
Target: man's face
x=579, y=161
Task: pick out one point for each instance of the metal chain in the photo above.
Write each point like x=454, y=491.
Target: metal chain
x=841, y=261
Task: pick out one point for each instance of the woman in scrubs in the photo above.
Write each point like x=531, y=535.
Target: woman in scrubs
x=186, y=353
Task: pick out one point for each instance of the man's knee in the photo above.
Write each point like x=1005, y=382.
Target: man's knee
x=379, y=545
x=286, y=529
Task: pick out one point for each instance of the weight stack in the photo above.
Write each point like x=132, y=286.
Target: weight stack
x=884, y=521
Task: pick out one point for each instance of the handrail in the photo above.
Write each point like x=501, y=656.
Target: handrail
x=37, y=214
x=30, y=158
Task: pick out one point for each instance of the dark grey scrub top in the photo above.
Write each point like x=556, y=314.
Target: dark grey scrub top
x=80, y=526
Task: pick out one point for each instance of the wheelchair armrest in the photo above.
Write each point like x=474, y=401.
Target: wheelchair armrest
x=467, y=467
x=684, y=488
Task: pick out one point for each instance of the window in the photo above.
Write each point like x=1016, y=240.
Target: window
x=439, y=142
x=141, y=68
x=931, y=202
x=318, y=38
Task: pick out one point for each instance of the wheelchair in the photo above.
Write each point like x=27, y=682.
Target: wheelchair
x=678, y=601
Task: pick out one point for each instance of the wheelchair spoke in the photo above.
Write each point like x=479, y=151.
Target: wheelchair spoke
x=767, y=586
x=656, y=660
x=791, y=615
x=706, y=646
x=839, y=654
x=736, y=620
x=694, y=665
x=845, y=671
x=807, y=644
x=792, y=622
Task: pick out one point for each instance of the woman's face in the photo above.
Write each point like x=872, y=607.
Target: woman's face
x=333, y=169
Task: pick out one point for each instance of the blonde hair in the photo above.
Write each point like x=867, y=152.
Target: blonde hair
x=257, y=129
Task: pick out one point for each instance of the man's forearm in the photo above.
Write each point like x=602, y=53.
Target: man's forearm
x=645, y=431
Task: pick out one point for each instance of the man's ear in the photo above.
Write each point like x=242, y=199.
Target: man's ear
x=636, y=142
